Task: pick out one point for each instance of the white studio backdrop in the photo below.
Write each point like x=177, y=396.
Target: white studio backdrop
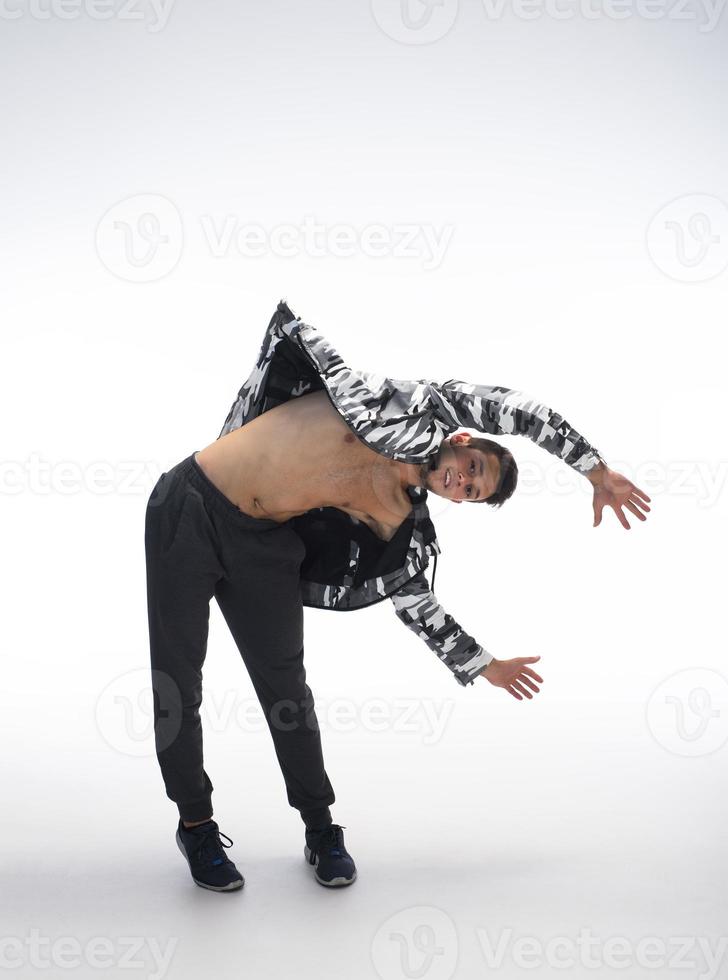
x=531, y=195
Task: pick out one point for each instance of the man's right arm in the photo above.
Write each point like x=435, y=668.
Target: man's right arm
x=416, y=606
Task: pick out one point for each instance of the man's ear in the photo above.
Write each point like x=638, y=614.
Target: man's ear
x=460, y=437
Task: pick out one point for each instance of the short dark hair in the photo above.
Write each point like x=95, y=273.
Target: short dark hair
x=508, y=477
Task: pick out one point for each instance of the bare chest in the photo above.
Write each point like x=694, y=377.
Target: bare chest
x=302, y=455
x=362, y=483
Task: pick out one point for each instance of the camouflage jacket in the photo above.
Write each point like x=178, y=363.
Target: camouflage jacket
x=346, y=565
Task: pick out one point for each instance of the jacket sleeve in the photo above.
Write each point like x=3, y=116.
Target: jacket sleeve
x=506, y=411
x=416, y=606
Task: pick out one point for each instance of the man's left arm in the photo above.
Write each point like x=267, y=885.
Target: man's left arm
x=507, y=411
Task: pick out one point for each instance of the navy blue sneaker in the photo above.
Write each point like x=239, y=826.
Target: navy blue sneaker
x=332, y=863
x=209, y=864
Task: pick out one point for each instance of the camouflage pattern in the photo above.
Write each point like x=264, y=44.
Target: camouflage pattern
x=416, y=606
x=406, y=421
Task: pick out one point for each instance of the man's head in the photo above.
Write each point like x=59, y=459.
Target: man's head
x=471, y=469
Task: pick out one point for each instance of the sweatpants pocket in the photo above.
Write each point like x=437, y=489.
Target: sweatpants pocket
x=175, y=524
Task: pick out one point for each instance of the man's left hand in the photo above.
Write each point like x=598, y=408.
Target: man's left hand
x=612, y=489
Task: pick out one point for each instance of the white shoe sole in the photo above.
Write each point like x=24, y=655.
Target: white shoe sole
x=335, y=882
x=233, y=886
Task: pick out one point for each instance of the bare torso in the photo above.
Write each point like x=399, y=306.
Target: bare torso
x=302, y=455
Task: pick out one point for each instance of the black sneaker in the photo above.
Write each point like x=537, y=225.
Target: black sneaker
x=209, y=864
x=325, y=850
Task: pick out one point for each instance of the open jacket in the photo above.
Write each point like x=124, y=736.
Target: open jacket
x=346, y=565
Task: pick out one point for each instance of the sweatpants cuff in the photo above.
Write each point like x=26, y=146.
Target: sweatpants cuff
x=195, y=811
x=316, y=819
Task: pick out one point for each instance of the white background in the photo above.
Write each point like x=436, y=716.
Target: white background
x=546, y=149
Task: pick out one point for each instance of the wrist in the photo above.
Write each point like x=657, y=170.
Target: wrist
x=596, y=473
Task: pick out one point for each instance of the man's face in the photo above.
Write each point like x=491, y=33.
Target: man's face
x=459, y=472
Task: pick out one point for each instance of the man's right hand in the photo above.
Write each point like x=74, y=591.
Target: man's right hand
x=514, y=676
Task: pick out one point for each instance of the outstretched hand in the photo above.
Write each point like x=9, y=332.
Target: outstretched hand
x=611, y=489
x=514, y=676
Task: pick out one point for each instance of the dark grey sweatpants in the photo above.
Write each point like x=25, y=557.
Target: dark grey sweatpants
x=199, y=544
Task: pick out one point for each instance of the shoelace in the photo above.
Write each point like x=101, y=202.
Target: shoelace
x=332, y=838
x=210, y=845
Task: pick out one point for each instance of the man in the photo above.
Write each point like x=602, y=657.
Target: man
x=314, y=493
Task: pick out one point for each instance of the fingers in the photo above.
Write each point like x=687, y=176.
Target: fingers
x=522, y=679
x=617, y=508
x=519, y=691
x=634, y=510
x=519, y=688
x=640, y=492
x=518, y=680
x=639, y=503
